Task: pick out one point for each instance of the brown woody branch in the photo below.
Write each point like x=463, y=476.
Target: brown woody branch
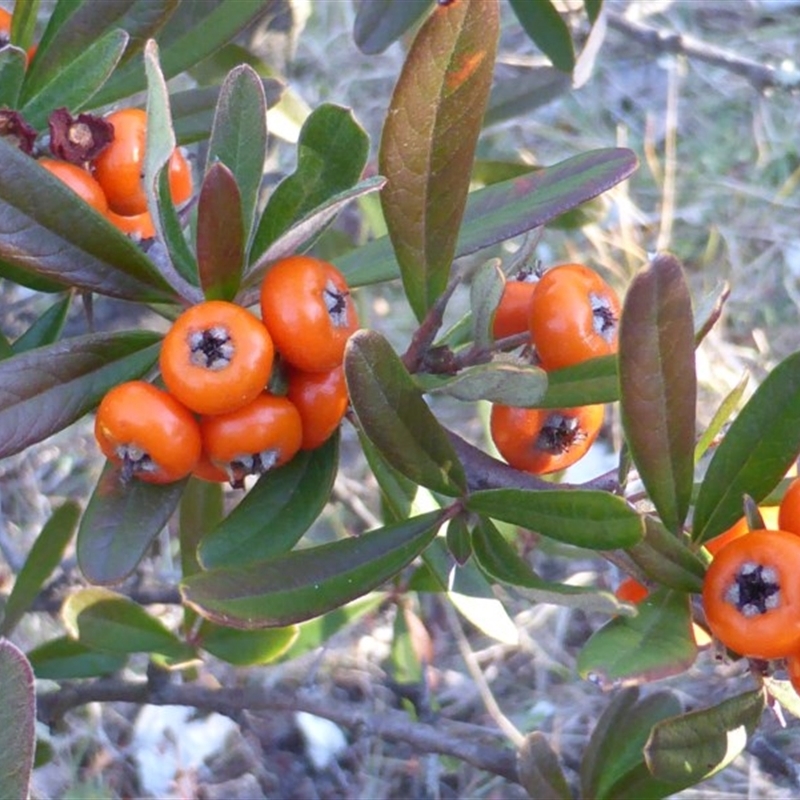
x=657, y=40
x=443, y=737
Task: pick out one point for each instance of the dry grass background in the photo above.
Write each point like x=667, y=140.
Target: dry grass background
x=718, y=187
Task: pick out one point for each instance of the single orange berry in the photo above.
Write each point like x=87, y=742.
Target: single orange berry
x=79, y=180
x=631, y=591
x=137, y=226
x=513, y=310
x=321, y=398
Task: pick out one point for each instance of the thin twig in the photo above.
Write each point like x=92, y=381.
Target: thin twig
x=657, y=40
x=456, y=740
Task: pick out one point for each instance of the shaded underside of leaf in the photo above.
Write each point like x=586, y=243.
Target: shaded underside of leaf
x=17, y=720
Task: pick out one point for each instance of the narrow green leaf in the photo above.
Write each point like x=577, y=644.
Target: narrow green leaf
x=33, y=281
x=593, y=9
x=193, y=32
x=656, y=643
x=666, y=559
x=273, y=516
x=429, y=138
x=23, y=22
x=708, y=310
x=539, y=769
x=504, y=210
x=485, y=292
x=306, y=583
x=331, y=155
x=392, y=413
x=193, y=109
x=546, y=28
x=726, y=408
x=46, y=230
x=44, y=390
x=172, y=234
x=120, y=522
x=687, y=749
x=110, y=622
x=75, y=83
x=64, y=659
x=658, y=385
x=46, y=329
x=512, y=384
x=527, y=88
x=378, y=23
x=459, y=540
x=398, y=493
x=43, y=558
x=202, y=508
x=613, y=763
x=245, y=648
x=239, y=137
x=758, y=448
x=220, y=234
x=12, y=71
x=584, y=518
x=498, y=558
x=301, y=233
x=6, y=351
x=17, y=722
x=471, y=593
x=591, y=381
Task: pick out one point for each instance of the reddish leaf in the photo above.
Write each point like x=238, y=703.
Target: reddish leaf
x=429, y=139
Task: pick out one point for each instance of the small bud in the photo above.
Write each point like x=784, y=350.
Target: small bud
x=78, y=139
x=16, y=130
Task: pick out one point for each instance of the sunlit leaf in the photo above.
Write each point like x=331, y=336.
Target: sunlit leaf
x=429, y=138
x=721, y=416
x=658, y=385
x=519, y=385
x=485, y=292
x=44, y=556
x=392, y=413
x=245, y=648
x=44, y=390
x=306, y=583
x=592, y=381
x=759, y=446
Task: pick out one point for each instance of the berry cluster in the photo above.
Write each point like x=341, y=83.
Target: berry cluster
x=103, y=162
x=222, y=416
x=571, y=315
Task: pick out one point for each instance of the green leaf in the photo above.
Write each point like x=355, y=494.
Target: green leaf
x=193, y=32
x=498, y=558
x=471, y=593
x=220, y=234
x=546, y=28
x=498, y=382
x=46, y=231
x=44, y=556
x=378, y=23
x=758, y=448
x=77, y=80
x=120, y=522
x=658, y=385
x=12, y=71
x=459, y=540
x=46, y=329
x=584, y=518
x=654, y=644
x=17, y=722
x=726, y=408
x=331, y=154
x=666, y=559
x=202, y=508
x=44, y=390
x=299, y=235
x=505, y=210
x=172, y=235
x=110, y=622
x=239, y=136
x=429, y=138
x=392, y=413
x=245, y=648
x=592, y=381
x=783, y=693
x=305, y=583
x=64, y=659
x=527, y=88
x=687, y=749
x=23, y=22
x=485, y=292
x=613, y=764
x=539, y=769
x=593, y=8
x=193, y=109
x=23, y=277
x=273, y=516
